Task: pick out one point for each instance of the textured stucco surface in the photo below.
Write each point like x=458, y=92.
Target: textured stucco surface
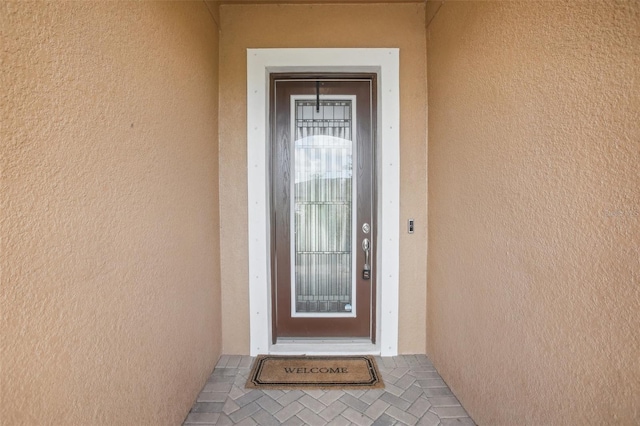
x=270, y=26
x=534, y=209
x=110, y=276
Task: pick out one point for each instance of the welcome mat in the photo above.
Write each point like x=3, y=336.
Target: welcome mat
x=309, y=372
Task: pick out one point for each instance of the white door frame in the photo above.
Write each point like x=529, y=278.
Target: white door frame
x=384, y=62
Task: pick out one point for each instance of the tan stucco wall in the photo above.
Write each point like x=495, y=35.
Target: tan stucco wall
x=377, y=25
x=110, y=274
x=534, y=210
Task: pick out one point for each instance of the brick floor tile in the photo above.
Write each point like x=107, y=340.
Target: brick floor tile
x=376, y=409
x=387, y=361
x=424, y=369
x=248, y=398
x=269, y=404
x=207, y=407
x=402, y=361
x=426, y=375
x=236, y=392
x=212, y=397
x=448, y=412
x=433, y=383
x=460, y=421
x=405, y=381
x=424, y=383
x=222, y=361
x=218, y=387
x=332, y=410
x=263, y=418
x=224, y=372
x=246, y=362
x=437, y=392
x=423, y=359
x=233, y=361
x=357, y=393
x=293, y=421
x=412, y=360
x=310, y=418
x=201, y=418
x=356, y=417
x=330, y=397
x=389, y=379
x=384, y=420
x=399, y=372
x=289, y=397
x=444, y=401
x=429, y=419
x=224, y=420
x=312, y=404
x=353, y=402
x=393, y=389
x=246, y=422
x=273, y=393
x=288, y=411
x=339, y=421
x=230, y=406
x=401, y=415
x=241, y=379
x=220, y=379
x=371, y=395
x=411, y=394
x=384, y=372
x=244, y=412
x=419, y=407
x=240, y=383
x=395, y=401
x=314, y=393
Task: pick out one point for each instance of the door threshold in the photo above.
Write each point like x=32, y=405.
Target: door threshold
x=324, y=347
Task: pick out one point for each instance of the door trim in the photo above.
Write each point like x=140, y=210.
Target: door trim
x=385, y=63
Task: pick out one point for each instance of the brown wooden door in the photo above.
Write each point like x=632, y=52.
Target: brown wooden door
x=322, y=197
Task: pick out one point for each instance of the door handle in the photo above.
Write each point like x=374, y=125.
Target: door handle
x=366, y=271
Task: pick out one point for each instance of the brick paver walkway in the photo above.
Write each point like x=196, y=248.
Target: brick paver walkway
x=414, y=394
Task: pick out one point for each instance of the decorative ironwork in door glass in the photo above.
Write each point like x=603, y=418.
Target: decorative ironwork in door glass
x=323, y=207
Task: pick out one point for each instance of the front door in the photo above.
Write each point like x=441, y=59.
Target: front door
x=322, y=198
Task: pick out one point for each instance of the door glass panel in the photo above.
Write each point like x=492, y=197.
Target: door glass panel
x=323, y=207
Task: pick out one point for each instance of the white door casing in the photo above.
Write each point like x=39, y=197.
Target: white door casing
x=384, y=62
